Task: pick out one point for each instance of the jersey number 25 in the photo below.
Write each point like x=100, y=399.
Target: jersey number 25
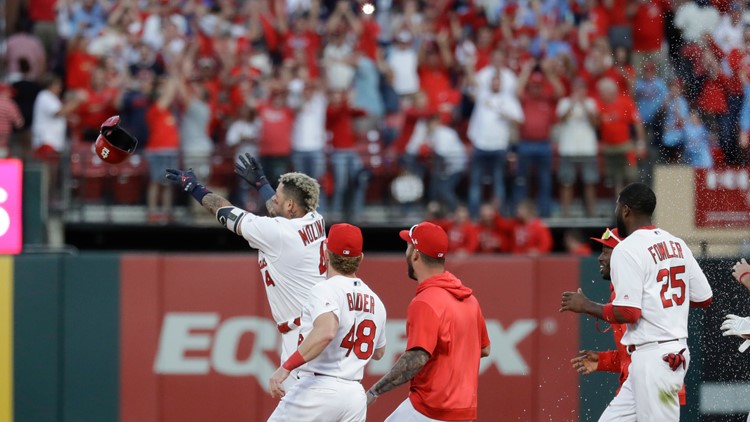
x=669, y=276
x=361, y=339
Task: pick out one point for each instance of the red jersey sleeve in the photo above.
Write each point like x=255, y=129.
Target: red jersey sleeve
x=609, y=361
x=422, y=325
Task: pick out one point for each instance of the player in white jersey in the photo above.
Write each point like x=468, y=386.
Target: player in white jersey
x=289, y=242
x=343, y=327
x=656, y=280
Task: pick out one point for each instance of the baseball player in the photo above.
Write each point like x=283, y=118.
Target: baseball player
x=343, y=327
x=446, y=336
x=656, y=279
x=289, y=241
x=735, y=325
x=617, y=360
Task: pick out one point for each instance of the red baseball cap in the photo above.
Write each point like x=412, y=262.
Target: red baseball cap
x=345, y=240
x=428, y=238
x=610, y=238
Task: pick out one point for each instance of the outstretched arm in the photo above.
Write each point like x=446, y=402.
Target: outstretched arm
x=406, y=368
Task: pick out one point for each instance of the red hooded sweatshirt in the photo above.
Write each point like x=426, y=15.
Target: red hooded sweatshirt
x=444, y=319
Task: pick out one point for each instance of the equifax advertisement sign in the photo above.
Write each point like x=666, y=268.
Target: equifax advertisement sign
x=198, y=342
x=11, y=198
x=722, y=198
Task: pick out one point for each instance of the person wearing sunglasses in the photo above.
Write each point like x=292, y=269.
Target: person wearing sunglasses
x=446, y=337
x=656, y=279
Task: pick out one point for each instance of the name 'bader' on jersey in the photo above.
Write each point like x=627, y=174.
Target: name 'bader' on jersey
x=361, y=302
x=663, y=252
x=312, y=232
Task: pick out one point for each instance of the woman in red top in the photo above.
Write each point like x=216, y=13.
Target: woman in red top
x=463, y=236
x=530, y=235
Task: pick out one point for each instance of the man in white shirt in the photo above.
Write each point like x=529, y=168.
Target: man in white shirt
x=403, y=61
x=309, y=133
x=656, y=280
x=577, y=147
x=343, y=327
x=496, y=112
x=449, y=158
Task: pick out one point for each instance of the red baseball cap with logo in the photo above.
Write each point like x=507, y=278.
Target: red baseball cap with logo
x=345, y=240
x=610, y=238
x=428, y=238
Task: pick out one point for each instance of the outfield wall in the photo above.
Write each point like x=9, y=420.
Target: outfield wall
x=147, y=337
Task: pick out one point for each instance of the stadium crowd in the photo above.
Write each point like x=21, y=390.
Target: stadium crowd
x=502, y=109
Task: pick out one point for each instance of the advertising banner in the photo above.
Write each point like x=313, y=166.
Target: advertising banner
x=11, y=198
x=198, y=342
x=722, y=197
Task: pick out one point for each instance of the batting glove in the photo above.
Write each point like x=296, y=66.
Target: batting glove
x=248, y=168
x=735, y=325
x=675, y=360
x=187, y=181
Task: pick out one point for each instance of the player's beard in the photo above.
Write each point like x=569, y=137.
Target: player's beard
x=621, y=229
x=410, y=268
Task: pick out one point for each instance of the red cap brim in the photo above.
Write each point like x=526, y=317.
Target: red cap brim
x=404, y=234
x=610, y=243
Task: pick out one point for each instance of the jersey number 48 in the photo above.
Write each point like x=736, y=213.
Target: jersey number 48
x=360, y=338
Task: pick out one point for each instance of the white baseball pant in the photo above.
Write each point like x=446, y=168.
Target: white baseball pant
x=289, y=343
x=650, y=392
x=407, y=413
x=320, y=398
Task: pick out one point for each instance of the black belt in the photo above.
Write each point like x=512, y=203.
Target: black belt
x=632, y=348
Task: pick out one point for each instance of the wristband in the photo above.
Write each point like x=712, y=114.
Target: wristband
x=743, y=275
x=199, y=192
x=608, y=313
x=295, y=361
x=266, y=191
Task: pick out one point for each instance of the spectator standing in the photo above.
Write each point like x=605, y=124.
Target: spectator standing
x=713, y=105
x=403, y=62
x=24, y=93
x=538, y=93
x=578, y=115
x=43, y=15
x=617, y=114
x=162, y=149
x=99, y=105
x=309, y=134
x=349, y=179
x=242, y=138
x=648, y=35
x=494, y=120
x=133, y=103
x=448, y=154
x=49, y=129
x=10, y=118
x=88, y=18
x=675, y=115
x=196, y=144
x=697, y=144
x=23, y=44
x=339, y=60
x=530, y=235
x=276, y=122
x=498, y=66
x=651, y=98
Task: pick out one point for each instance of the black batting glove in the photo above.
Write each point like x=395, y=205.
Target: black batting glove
x=675, y=360
x=249, y=168
x=187, y=181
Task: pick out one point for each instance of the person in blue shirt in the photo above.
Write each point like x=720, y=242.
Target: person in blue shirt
x=650, y=96
x=697, y=143
x=676, y=113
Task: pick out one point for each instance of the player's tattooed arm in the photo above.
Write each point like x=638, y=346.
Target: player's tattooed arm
x=212, y=202
x=406, y=368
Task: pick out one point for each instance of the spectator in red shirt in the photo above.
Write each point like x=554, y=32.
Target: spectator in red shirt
x=162, y=150
x=575, y=243
x=463, y=234
x=349, y=178
x=446, y=337
x=530, y=235
x=42, y=14
x=99, y=105
x=538, y=91
x=648, y=35
x=617, y=114
x=276, y=122
x=495, y=232
x=620, y=33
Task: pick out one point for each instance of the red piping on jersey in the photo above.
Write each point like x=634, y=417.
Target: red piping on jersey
x=630, y=314
x=703, y=304
x=646, y=228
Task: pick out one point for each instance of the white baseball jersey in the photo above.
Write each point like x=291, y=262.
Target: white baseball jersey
x=361, y=330
x=291, y=259
x=656, y=272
